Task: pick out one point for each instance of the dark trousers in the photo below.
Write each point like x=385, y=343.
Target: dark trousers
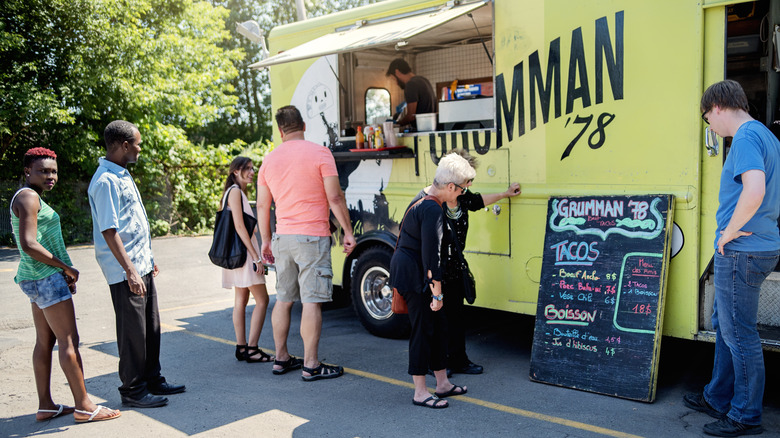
x=456, y=330
x=137, y=337
x=427, y=343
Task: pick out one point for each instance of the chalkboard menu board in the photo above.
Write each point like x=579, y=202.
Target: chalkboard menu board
x=601, y=294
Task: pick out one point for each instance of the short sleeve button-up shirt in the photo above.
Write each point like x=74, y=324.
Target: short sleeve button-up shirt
x=116, y=203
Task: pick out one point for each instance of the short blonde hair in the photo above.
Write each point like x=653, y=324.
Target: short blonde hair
x=473, y=162
x=453, y=169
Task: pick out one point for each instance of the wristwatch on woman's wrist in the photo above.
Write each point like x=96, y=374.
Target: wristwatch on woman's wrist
x=438, y=297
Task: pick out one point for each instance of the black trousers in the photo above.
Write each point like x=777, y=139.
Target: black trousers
x=456, y=330
x=427, y=343
x=137, y=337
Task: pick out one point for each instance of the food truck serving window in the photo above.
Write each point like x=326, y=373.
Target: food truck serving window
x=449, y=44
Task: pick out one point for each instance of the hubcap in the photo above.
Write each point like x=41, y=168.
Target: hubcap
x=375, y=293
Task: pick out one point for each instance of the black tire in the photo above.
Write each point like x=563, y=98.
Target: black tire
x=372, y=295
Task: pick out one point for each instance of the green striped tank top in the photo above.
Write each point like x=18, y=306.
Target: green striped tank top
x=49, y=235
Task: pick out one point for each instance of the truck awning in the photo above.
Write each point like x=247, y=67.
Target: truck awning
x=372, y=34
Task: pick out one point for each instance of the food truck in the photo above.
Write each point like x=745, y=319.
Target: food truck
x=593, y=97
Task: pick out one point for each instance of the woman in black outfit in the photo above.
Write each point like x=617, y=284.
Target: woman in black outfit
x=456, y=225
x=416, y=272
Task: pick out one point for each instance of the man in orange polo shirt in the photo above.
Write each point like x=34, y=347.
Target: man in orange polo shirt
x=301, y=177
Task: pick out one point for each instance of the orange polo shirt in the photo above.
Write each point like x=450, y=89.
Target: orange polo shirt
x=293, y=172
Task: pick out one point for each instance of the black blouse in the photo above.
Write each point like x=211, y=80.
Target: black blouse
x=469, y=201
x=418, y=249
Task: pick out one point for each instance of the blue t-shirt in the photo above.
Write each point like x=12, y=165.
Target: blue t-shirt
x=754, y=147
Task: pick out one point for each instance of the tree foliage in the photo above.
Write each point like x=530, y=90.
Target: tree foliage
x=175, y=68
x=72, y=66
x=252, y=119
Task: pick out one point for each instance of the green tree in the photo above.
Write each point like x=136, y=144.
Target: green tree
x=176, y=68
x=71, y=66
x=252, y=120
x=40, y=41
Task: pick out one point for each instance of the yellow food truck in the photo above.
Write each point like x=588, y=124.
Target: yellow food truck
x=568, y=98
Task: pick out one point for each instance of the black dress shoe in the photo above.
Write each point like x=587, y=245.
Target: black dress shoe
x=147, y=401
x=166, y=388
x=469, y=368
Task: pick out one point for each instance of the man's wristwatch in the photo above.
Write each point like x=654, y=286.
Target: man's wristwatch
x=438, y=297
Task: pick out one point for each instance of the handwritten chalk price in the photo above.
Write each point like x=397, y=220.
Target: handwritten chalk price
x=642, y=309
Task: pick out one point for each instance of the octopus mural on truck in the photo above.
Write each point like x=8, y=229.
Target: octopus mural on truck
x=316, y=98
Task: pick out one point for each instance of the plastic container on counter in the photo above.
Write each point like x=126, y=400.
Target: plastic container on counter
x=426, y=122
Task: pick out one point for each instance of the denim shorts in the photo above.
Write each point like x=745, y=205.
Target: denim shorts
x=47, y=291
x=303, y=268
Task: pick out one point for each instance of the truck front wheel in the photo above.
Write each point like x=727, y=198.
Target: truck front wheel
x=372, y=295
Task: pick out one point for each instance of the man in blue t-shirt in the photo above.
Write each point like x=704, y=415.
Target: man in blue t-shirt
x=747, y=247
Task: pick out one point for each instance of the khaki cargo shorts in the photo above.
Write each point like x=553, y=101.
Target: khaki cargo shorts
x=303, y=268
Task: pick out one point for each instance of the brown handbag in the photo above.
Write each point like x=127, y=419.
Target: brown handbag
x=398, y=303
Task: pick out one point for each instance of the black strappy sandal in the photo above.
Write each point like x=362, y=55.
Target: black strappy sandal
x=293, y=363
x=241, y=352
x=322, y=371
x=252, y=351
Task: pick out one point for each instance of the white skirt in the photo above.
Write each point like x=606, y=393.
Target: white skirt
x=244, y=276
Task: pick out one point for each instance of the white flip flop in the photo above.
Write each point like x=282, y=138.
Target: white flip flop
x=94, y=413
x=60, y=410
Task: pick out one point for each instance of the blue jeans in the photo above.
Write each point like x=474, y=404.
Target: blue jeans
x=47, y=291
x=737, y=385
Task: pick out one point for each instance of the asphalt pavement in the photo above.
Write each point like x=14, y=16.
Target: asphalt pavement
x=373, y=399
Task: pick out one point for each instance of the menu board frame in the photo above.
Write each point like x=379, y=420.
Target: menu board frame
x=601, y=293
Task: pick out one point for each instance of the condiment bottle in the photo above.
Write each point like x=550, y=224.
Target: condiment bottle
x=369, y=133
x=379, y=139
x=360, y=140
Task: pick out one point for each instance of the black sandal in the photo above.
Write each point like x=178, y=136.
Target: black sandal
x=455, y=390
x=253, y=351
x=436, y=403
x=293, y=363
x=322, y=371
x=241, y=352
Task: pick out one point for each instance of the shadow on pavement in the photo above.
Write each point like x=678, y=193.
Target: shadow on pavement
x=226, y=397
x=24, y=422
x=8, y=254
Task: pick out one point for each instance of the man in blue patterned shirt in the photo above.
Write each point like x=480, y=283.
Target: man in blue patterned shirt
x=123, y=248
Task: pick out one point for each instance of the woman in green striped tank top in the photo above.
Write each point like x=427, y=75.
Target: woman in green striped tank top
x=46, y=276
